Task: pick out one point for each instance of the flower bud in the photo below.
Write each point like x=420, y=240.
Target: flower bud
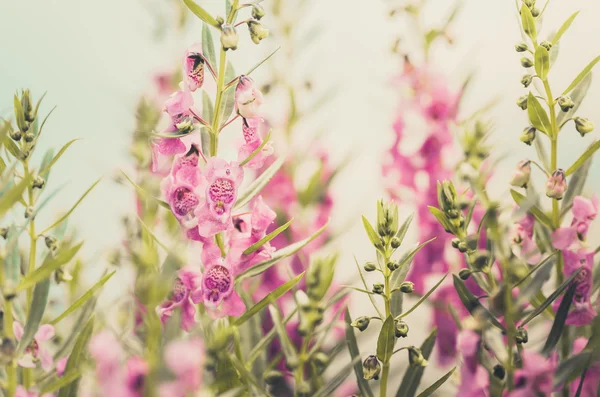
x=400, y=329
x=15, y=135
x=499, y=371
x=229, y=38
x=521, y=47
x=407, y=287
x=526, y=80
x=185, y=126
x=257, y=11
x=371, y=368
x=257, y=31
x=220, y=21
x=29, y=137
x=393, y=265
x=378, y=288
x=321, y=359
x=27, y=105
x=535, y=12
x=3, y=232
x=29, y=211
x=480, y=261
x=291, y=363
x=9, y=291
x=61, y=276
x=303, y=389
x=556, y=185
x=370, y=266
x=361, y=323
x=521, y=336
x=522, y=102
x=50, y=241
x=7, y=351
x=38, y=182
x=521, y=175
x=528, y=135
x=529, y=3
x=526, y=62
x=463, y=247
x=455, y=242
x=566, y=103
x=415, y=357
x=547, y=45
x=464, y=274
x=583, y=125
x=272, y=377
x=447, y=196
x=395, y=243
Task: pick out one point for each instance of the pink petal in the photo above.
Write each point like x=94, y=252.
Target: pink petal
x=45, y=359
x=233, y=305
x=18, y=330
x=187, y=315
x=26, y=361
x=46, y=332
x=564, y=237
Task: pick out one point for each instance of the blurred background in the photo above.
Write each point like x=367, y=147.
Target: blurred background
x=95, y=59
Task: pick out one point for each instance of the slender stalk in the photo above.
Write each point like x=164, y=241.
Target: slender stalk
x=32, y=236
x=388, y=312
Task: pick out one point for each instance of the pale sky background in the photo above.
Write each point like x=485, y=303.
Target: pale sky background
x=95, y=58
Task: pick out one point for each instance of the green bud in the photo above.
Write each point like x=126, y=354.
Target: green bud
x=464, y=274
x=415, y=357
x=7, y=351
x=521, y=336
x=447, y=196
x=371, y=368
x=220, y=21
x=29, y=137
x=9, y=291
x=566, y=103
x=481, y=260
x=319, y=277
x=522, y=102
x=3, y=232
x=378, y=288
x=521, y=47
x=528, y=135
x=370, y=266
x=185, y=126
x=529, y=3
x=27, y=105
x=535, y=12
x=526, y=62
x=257, y=31
x=407, y=287
x=393, y=265
x=291, y=363
x=257, y=11
x=229, y=37
x=272, y=377
x=526, y=80
x=463, y=247
x=395, y=243
x=547, y=45
x=38, y=182
x=50, y=241
x=499, y=371
x=303, y=389
x=15, y=135
x=361, y=323
x=321, y=359
x=400, y=329
x=61, y=275
x=455, y=242
x=29, y=211
x=583, y=125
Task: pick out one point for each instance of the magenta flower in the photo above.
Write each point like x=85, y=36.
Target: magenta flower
x=223, y=180
x=592, y=377
x=248, y=98
x=185, y=359
x=556, y=186
x=216, y=290
x=22, y=392
x=137, y=370
x=253, y=130
x=183, y=198
x=185, y=168
x=178, y=105
x=535, y=377
x=162, y=150
x=474, y=379
x=193, y=67
x=520, y=176
x=61, y=365
x=521, y=235
x=36, y=351
x=184, y=285
x=584, y=212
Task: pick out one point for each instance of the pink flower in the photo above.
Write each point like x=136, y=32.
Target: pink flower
x=253, y=129
x=556, y=185
x=61, y=365
x=584, y=212
x=473, y=377
x=592, y=377
x=535, y=377
x=183, y=286
x=22, y=392
x=185, y=359
x=178, y=105
x=193, y=67
x=162, y=150
x=106, y=352
x=223, y=180
x=36, y=351
x=184, y=198
x=520, y=177
x=248, y=98
x=522, y=237
x=137, y=370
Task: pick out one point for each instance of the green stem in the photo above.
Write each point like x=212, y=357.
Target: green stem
x=388, y=312
x=214, y=135
x=32, y=236
x=302, y=357
x=11, y=373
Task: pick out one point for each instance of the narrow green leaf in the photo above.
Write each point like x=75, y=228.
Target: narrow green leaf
x=62, y=151
x=8, y=199
x=34, y=317
x=542, y=263
x=571, y=368
x=332, y=385
x=537, y=115
x=559, y=321
x=354, y=351
x=288, y=348
x=228, y=99
x=49, y=265
x=253, y=68
x=589, y=152
x=441, y=217
x=371, y=298
x=69, y=212
x=84, y=298
x=254, y=247
x=582, y=75
x=539, y=215
x=431, y=389
x=528, y=22
x=269, y=299
x=279, y=255
x=409, y=257
x=84, y=315
x=61, y=381
x=208, y=45
x=472, y=303
x=563, y=28
x=412, y=376
x=245, y=374
x=373, y=236
x=256, y=151
x=201, y=13
x=577, y=96
x=404, y=228
x=542, y=62
x=535, y=285
x=19, y=113
x=386, y=340
x=423, y=298
x=208, y=110
x=581, y=381
x=144, y=193
x=48, y=156
x=259, y=348
x=76, y=358
x=259, y=183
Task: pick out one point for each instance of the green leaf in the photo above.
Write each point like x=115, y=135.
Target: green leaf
x=404, y=228
x=286, y=344
x=259, y=183
x=268, y=238
x=332, y=385
x=371, y=298
x=208, y=46
x=537, y=115
x=47, y=168
x=49, y=265
x=589, y=152
x=245, y=374
x=279, y=255
x=537, y=267
x=539, y=215
x=431, y=389
x=576, y=185
x=257, y=150
x=253, y=68
x=373, y=236
x=12, y=261
x=34, y=317
x=228, y=99
x=442, y=218
x=271, y=298
x=577, y=96
x=144, y=193
x=559, y=321
x=412, y=376
x=409, y=257
x=571, y=368
x=19, y=113
x=563, y=28
x=582, y=75
x=259, y=348
x=84, y=298
x=540, y=278
x=61, y=381
x=76, y=358
x=8, y=199
x=363, y=385
x=472, y=303
x=48, y=156
x=581, y=381
x=386, y=340
x=542, y=62
x=423, y=298
x=550, y=298
x=69, y=212
x=528, y=22
x=208, y=112
x=86, y=312
x=201, y=13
